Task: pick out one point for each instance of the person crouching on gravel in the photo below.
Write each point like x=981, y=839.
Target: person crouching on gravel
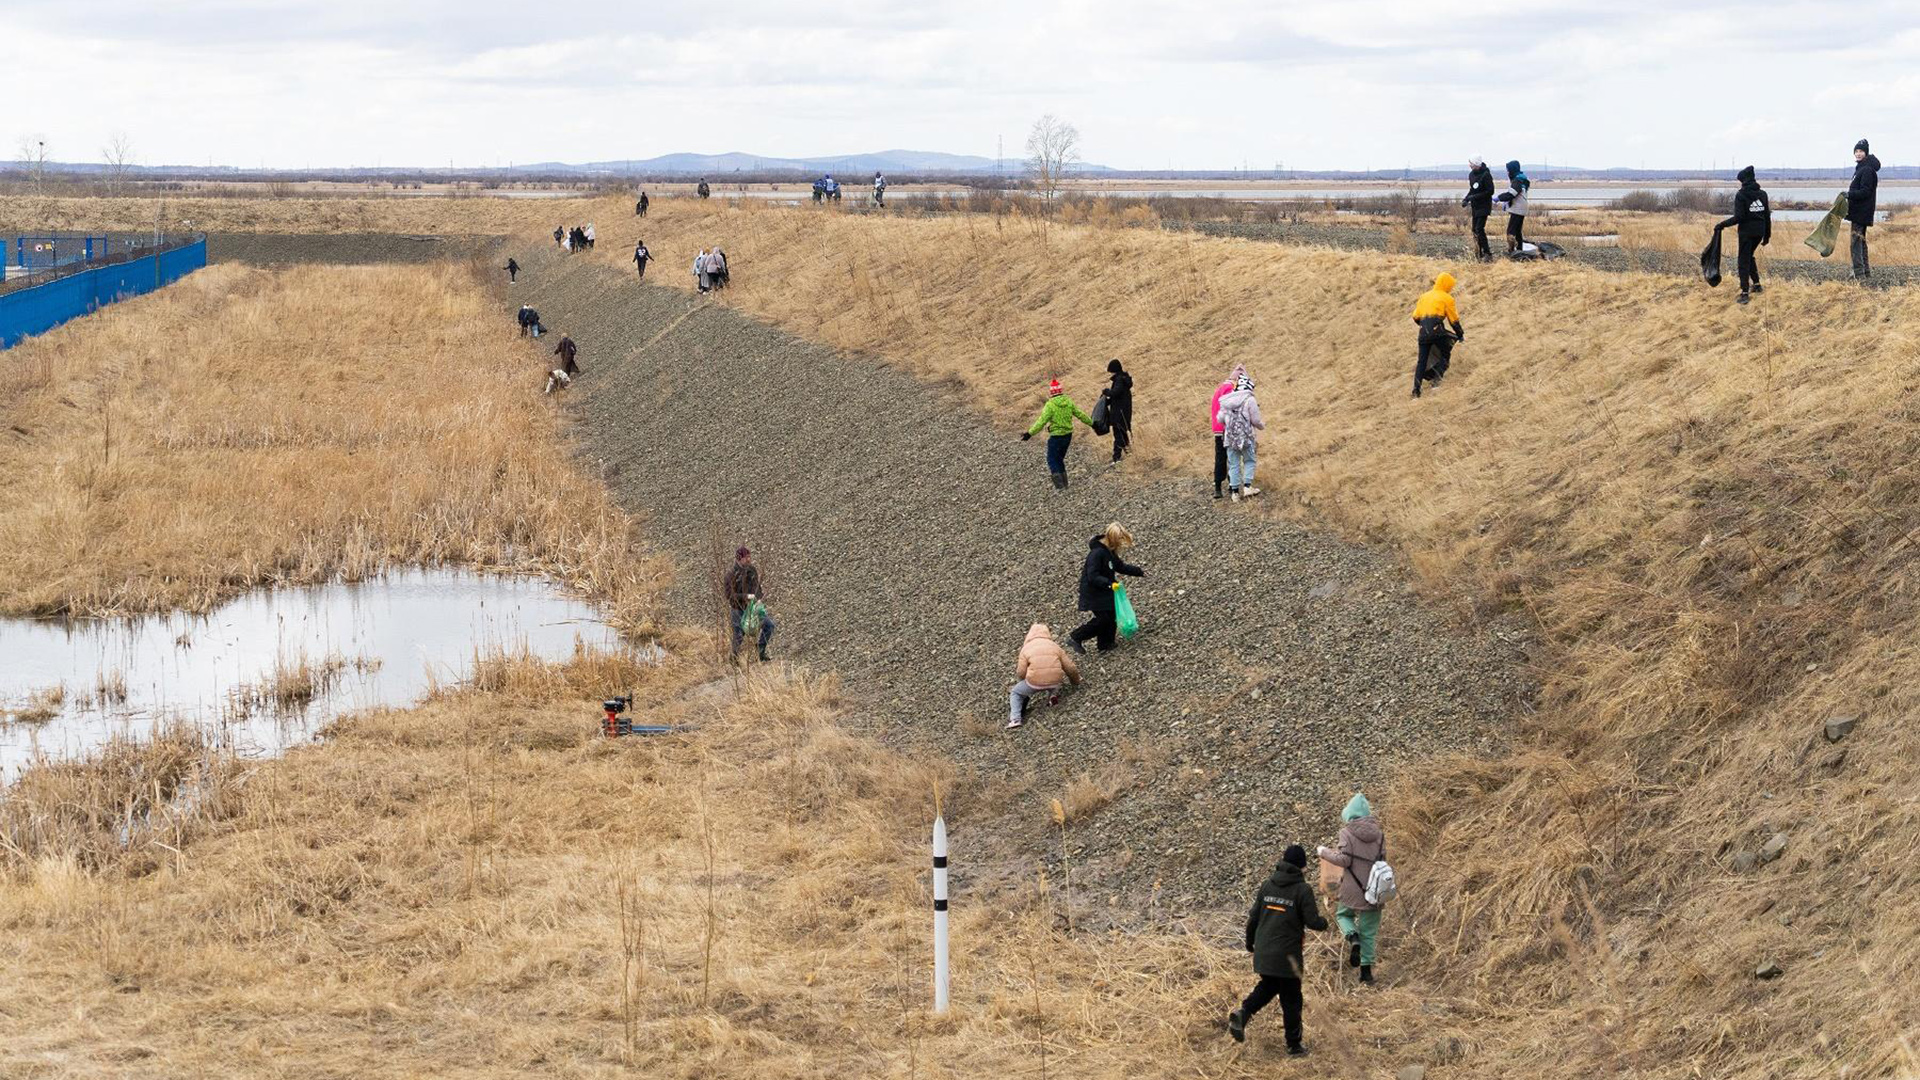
x=747, y=602
x=1219, y=429
x=1240, y=425
x=1043, y=668
x=1099, y=577
x=1362, y=843
x=1283, y=911
x=1057, y=416
x=1433, y=313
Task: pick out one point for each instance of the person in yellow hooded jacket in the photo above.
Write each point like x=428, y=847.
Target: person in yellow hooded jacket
x=1438, y=318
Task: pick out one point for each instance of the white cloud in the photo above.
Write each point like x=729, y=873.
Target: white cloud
x=1316, y=83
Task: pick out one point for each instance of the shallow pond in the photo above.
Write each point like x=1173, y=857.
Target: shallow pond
x=267, y=670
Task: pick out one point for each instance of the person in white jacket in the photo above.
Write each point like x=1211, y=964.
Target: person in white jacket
x=1241, y=422
x=700, y=275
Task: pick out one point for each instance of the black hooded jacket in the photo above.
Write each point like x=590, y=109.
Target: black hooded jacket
x=1120, y=394
x=1863, y=192
x=1752, y=211
x=1479, y=197
x=1283, y=911
x=1097, y=576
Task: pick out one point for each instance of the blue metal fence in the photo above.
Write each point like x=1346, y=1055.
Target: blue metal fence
x=41, y=308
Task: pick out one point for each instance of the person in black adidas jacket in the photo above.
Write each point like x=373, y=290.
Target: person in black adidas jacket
x=1753, y=217
x=1283, y=911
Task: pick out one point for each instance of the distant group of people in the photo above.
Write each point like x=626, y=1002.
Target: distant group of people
x=710, y=269
x=1480, y=199
x=577, y=238
x=827, y=189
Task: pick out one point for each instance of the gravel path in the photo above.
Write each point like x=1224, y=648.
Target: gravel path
x=1458, y=245
x=908, y=542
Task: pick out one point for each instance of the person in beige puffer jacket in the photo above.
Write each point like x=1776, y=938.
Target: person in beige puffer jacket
x=1043, y=666
x=1362, y=843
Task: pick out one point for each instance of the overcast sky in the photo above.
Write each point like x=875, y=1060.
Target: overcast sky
x=1349, y=84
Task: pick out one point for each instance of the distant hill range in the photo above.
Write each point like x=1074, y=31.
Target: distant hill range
x=739, y=166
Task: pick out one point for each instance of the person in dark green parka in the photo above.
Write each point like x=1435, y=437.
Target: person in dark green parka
x=1283, y=911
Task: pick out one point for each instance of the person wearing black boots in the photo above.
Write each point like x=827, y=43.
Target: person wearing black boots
x=1753, y=222
x=1120, y=408
x=1098, y=579
x=1283, y=911
x=1479, y=202
x=1863, y=195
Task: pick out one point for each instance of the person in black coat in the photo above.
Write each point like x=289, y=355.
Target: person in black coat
x=1283, y=911
x=513, y=270
x=1753, y=221
x=1862, y=199
x=1479, y=201
x=1097, y=579
x=640, y=208
x=1120, y=408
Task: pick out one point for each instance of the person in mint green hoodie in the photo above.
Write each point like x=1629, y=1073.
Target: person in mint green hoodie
x=1362, y=843
x=1057, y=417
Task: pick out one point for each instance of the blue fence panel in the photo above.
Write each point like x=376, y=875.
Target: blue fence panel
x=43, y=307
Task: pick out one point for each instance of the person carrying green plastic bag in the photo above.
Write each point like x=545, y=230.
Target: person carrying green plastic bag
x=1100, y=592
x=1826, y=235
x=1124, y=618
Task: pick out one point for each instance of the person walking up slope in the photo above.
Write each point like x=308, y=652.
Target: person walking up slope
x=1099, y=577
x=1515, y=200
x=1120, y=408
x=1362, y=843
x=1240, y=423
x=1753, y=222
x=1043, y=667
x=513, y=270
x=1283, y=911
x=1479, y=202
x=1439, y=321
x=1220, y=429
x=1057, y=416
x=1863, y=195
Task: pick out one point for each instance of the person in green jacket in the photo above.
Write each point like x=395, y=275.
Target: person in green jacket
x=1283, y=911
x=1057, y=417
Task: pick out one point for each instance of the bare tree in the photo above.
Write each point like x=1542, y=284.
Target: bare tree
x=33, y=158
x=1053, y=148
x=119, y=155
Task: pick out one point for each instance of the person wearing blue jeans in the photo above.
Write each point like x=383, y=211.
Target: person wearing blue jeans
x=1057, y=418
x=1241, y=424
x=742, y=586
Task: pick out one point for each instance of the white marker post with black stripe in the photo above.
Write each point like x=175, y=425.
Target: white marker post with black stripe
x=940, y=914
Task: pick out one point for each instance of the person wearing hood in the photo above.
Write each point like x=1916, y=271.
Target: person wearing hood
x=1043, y=668
x=1119, y=397
x=1283, y=911
x=1099, y=577
x=1862, y=200
x=1479, y=202
x=1220, y=430
x=702, y=277
x=1753, y=222
x=1515, y=200
x=717, y=265
x=1240, y=425
x=1361, y=844
x=1057, y=416
x=587, y=235
x=1439, y=321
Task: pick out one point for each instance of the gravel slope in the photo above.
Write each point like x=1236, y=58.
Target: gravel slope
x=908, y=543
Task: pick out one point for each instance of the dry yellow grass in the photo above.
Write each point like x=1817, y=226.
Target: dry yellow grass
x=243, y=428
x=428, y=216
x=1708, y=510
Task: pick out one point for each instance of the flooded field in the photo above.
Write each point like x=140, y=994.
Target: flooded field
x=266, y=671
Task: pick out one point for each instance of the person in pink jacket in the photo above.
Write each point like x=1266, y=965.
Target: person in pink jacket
x=1220, y=429
x=1043, y=668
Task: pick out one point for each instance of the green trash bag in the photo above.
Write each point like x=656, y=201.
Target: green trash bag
x=1827, y=234
x=1123, y=613
x=751, y=619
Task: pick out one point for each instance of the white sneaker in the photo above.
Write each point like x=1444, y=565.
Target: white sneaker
x=1236, y=495
x=1249, y=491
x=1014, y=723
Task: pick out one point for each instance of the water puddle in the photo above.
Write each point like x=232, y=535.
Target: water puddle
x=267, y=670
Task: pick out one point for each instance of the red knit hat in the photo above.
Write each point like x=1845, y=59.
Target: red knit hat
x=1053, y=388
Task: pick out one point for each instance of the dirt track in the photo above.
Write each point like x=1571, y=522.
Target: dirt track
x=908, y=544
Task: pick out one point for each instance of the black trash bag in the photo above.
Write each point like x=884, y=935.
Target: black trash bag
x=1710, y=261
x=1101, y=422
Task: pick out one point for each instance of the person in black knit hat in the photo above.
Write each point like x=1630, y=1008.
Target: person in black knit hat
x=1283, y=911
